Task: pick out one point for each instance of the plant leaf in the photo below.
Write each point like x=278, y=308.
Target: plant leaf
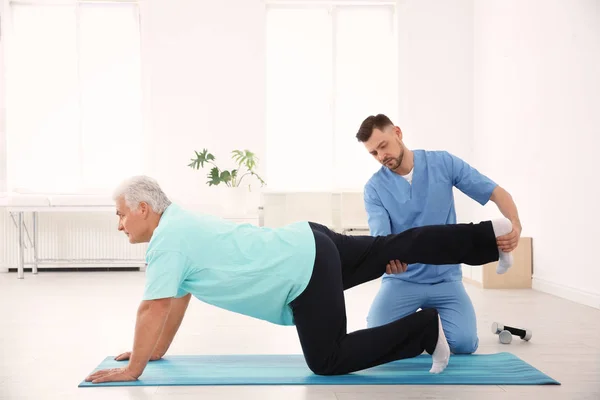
x=251, y=160
x=213, y=177
x=234, y=173
x=201, y=158
x=246, y=157
x=237, y=156
x=225, y=176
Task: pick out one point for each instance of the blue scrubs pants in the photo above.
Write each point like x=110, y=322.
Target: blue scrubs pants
x=397, y=299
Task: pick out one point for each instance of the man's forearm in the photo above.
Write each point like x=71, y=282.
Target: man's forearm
x=506, y=205
x=176, y=314
x=150, y=321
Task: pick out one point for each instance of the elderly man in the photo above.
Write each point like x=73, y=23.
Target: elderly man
x=293, y=275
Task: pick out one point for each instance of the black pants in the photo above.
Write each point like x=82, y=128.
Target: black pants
x=344, y=261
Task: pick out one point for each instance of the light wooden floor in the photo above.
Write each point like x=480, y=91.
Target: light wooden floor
x=56, y=327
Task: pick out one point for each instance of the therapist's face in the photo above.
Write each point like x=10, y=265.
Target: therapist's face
x=386, y=146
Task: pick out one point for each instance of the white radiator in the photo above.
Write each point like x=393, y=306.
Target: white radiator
x=83, y=239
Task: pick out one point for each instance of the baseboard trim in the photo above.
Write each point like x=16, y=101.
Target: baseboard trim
x=566, y=292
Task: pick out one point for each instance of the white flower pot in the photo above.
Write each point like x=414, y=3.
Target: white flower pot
x=239, y=201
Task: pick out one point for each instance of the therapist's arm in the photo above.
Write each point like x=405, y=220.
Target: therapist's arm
x=508, y=208
x=380, y=225
x=482, y=189
x=378, y=217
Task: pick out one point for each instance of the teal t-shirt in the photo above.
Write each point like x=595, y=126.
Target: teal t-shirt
x=243, y=268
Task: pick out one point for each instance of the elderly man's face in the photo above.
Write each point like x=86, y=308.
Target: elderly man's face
x=134, y=223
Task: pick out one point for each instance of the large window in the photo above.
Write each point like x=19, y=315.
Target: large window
x=328, y=67
x=73, y=100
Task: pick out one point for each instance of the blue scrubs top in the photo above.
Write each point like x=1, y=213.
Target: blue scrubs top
x=394, y=205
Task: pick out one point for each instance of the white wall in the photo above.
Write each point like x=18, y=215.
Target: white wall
x=204, y=80
x=436, y=73
x=436, y=79
x=537, y=101
x=203, y=68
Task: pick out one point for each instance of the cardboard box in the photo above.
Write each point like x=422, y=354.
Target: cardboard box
x=518, y=276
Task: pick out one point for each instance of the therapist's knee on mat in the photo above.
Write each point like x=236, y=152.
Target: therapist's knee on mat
x=463, y=342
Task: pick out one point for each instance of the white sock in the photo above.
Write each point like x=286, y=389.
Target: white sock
x=503, y=227
x=441, y=354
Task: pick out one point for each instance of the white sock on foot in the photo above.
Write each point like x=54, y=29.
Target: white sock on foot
x=441, y=354
x=503, y=227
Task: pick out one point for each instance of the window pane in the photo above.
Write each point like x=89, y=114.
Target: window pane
x=42, y=99
x=110, y=93
x=299, y=82
x=366, y=83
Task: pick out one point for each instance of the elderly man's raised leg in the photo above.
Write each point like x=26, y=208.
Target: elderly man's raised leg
x=364, y=258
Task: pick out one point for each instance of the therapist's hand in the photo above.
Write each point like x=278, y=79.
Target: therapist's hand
x=396, y=267
x=510, y=241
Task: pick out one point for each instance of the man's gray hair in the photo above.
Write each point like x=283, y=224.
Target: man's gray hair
x=142, y=188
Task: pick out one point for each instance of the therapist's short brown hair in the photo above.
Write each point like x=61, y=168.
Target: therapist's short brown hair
x=372, y=122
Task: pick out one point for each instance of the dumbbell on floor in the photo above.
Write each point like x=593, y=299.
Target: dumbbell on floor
x=505, y=333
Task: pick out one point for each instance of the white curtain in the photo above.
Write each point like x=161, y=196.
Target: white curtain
x=73, y=101
x=328, y=68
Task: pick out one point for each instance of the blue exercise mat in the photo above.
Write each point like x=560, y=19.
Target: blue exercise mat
x=476, y=369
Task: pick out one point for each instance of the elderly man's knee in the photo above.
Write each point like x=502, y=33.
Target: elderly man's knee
x=321, y=367
x=464, y=343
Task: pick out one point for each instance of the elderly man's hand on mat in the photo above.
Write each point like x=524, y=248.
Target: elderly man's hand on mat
x=396, y=267
x=127, y=355
x=111, y=375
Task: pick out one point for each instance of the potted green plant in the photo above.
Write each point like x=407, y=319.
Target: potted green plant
x=232, y=178
x=237, y=198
